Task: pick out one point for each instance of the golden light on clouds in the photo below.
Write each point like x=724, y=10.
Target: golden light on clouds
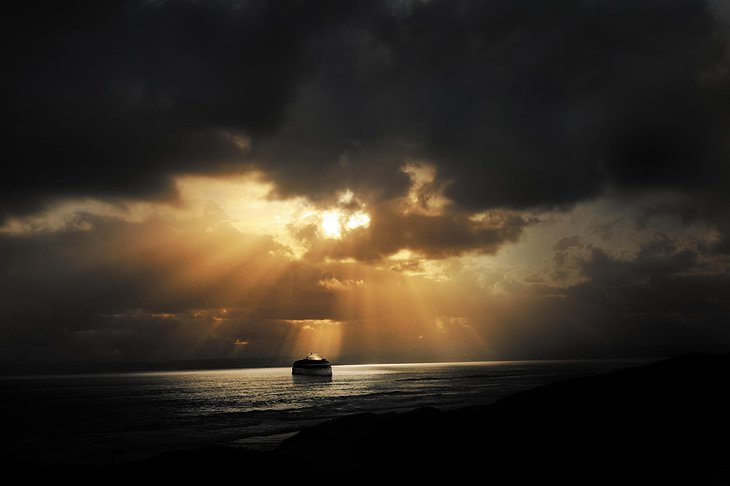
x=424, y=196
x=231, y=271
x=321, y=335
x=336, y=223
x=227, y=255
x=142, y=197
x=241, y=202
x=357, y=220
x=244, y=203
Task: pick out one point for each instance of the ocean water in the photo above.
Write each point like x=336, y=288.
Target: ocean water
x=129, y=416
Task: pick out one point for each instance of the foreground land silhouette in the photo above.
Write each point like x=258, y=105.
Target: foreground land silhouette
x=663, y=423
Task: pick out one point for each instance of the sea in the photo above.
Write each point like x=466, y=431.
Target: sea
x=113, y=418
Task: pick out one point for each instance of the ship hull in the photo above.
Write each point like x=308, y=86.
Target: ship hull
x=319, y=371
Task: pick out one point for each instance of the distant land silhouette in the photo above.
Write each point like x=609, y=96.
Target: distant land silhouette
x=91, y=367
x=82, y=367
x=663, y=423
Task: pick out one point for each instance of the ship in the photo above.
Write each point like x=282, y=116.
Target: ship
x=313, y=364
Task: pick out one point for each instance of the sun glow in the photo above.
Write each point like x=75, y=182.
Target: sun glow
x=335, y=223
x=331, y=227
x=247, y=254
x=324, y=335
x=358, y=220
x=244, y=203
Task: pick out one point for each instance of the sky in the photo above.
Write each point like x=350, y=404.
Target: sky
x=380, y=181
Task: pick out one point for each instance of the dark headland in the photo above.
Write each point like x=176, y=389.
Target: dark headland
x=663, y=423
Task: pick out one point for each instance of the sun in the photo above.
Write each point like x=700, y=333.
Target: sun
x=335, y=223
x=331, y=226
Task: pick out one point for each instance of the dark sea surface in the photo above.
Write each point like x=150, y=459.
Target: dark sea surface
x=128, y=416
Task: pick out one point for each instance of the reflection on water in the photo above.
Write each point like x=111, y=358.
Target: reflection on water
x=311, y=379
x=84, y=418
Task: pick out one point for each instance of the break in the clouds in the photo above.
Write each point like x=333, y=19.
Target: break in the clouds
x=400, y=179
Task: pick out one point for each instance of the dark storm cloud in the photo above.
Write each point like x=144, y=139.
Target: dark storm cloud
x=669, y=298
x=518, y=103
x=430, y=236
x=566, y=242
x=111, y=98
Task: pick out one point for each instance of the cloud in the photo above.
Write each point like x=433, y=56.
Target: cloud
x=432, y=236
x=330, y=282
x=111, y=100
x=517, y=104
x=164, y=289
x=667, y=298
x=567, y=242
x=429, y=130
x=166, y=283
